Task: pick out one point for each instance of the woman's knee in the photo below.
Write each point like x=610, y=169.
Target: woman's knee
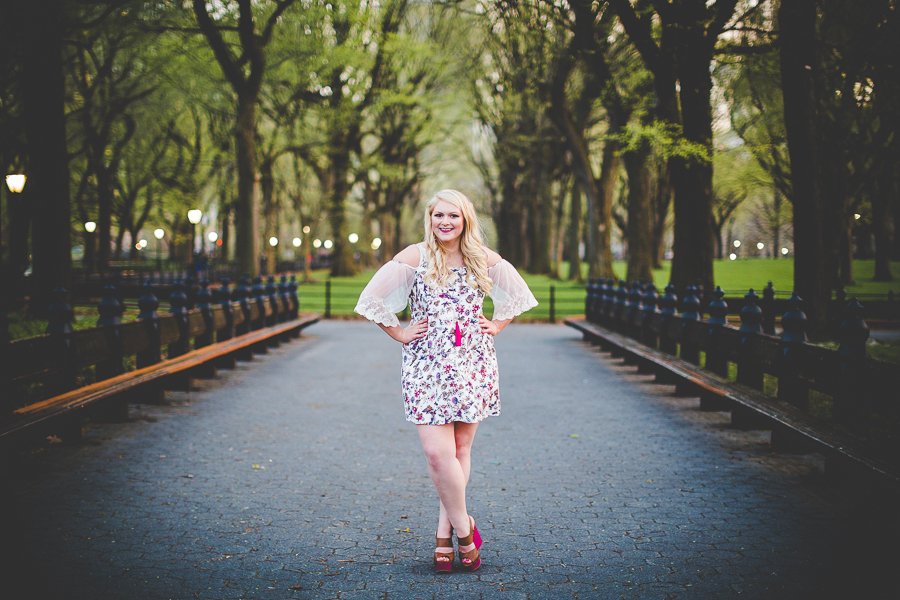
x=438, y=457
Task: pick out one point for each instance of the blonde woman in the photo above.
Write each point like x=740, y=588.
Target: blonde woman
x=449, y=370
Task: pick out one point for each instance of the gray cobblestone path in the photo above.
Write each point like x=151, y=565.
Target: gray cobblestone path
x=296, y=477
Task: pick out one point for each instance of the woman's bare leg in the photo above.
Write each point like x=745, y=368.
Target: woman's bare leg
x=448, y=450
x=464, y=435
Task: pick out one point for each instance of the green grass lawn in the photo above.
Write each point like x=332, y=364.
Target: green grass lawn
x=735, y=277
x=738, y=276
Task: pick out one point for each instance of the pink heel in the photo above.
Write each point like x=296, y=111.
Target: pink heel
x=472, y=556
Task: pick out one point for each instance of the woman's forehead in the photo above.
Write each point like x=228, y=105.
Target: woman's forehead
x=443, y=206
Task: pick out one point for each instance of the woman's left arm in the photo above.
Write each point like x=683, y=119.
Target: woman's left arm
x=492, y=327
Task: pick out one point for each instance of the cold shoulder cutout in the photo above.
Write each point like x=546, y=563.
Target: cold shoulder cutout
x=492, y=257
x=411, y=256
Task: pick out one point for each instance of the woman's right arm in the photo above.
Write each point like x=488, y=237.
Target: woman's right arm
x=388, y=293
x=416, y=330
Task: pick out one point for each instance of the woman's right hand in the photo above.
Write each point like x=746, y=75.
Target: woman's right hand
x=415, y=330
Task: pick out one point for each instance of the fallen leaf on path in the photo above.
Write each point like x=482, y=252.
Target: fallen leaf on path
x=296, y=587
x=53, y=439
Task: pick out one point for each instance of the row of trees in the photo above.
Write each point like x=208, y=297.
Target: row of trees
x=261, y=113
x=659, y=118
x=631, y=105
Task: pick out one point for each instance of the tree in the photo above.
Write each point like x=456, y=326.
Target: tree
x=245, y=75
x=797, y=24
x=41, y=29
x=681, y=54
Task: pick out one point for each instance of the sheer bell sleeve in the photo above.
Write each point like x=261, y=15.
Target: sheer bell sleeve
x=387, y=293
x=509, y=292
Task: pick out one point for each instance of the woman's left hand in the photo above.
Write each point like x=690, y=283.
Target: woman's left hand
x=488, y=326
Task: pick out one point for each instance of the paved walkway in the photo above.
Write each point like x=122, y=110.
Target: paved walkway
x=296, y=477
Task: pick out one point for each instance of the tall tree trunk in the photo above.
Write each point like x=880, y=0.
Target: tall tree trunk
x=247, y=202
x=267, y=187
x=883, y=222
x=797, y=24
x=398, y=227
x=720, y=243
x=574, y=236
x=342, y=254
x=776, y=227
x=559, y=233
x=120, y=238
x=19, y=211
x=692, y=179
x=661, y=201
x=640, y=232
x=541, y=216
x=43, y=99
x=845, y=251
x=601, y=259
x=509, y=223
x=226, y=232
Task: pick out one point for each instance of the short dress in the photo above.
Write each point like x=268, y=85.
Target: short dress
x=451, y=373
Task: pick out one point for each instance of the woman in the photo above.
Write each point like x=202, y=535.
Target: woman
x=449, y=370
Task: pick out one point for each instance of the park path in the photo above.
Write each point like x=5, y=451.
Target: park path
x=295, y=476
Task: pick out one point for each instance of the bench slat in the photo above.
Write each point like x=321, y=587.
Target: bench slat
x=822, y=435
x=90, y=394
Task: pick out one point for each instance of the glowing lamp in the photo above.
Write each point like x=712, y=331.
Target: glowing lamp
x=15, y=183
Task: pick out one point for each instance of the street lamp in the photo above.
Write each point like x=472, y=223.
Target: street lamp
x=158, y=234
x=784, y=251
x=273, y=241
x=328, y=244
x=90, y=227
x=194, y=217
x=317, y=243
x=306, y=229
x=376, y=243
x=760, y=245
x=353, y=238
x=732, y=256
x=737, y=243
x=297, y=242
x=15, y=183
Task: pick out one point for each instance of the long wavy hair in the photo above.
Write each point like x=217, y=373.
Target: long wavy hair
x=471, y=243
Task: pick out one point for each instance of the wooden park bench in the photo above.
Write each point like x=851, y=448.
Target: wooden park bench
x=221, y=333
x=864, y=392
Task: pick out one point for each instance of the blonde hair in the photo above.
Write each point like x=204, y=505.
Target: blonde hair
x=470, y=244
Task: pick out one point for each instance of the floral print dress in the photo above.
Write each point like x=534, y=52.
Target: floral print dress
x=451, y=373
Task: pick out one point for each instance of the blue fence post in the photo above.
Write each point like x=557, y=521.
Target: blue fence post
x=668, y=337
x=851, y=406
x=791, y=387
x=718, y=311
x=749, y=372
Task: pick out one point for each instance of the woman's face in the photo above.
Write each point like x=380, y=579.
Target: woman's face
x=446, y=222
